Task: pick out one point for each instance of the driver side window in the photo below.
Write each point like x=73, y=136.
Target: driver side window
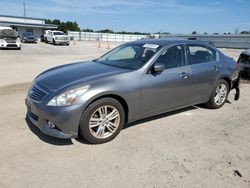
x=173, y=57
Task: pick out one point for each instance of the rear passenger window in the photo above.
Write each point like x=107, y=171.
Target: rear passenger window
x=200, y=54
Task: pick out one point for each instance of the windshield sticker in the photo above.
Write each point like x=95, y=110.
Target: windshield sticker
x=153, y=46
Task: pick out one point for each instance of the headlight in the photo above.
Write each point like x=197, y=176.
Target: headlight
x=18, y=40
x=2, y=41
x=68, y=98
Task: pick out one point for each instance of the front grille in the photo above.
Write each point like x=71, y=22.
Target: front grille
x=10, y=40
x=64, y=38
x=11, y=45
x=36, y=93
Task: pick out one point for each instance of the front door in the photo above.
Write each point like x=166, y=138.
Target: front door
x=169, y=89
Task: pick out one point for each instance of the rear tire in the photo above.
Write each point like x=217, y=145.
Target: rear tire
x=102, y=121
x=54, y=42
x=219, y=95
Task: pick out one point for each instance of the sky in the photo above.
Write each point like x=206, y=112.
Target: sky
x=174, y=16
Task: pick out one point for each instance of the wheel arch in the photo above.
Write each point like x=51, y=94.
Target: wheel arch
x=228, y=80
x=120, y=99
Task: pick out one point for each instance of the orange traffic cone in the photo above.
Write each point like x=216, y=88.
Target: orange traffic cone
x=108, y=45
x=99, y=44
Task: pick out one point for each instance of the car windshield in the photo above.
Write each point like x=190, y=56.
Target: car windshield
x=8, y=33
x=131, y=56
x=28, y=34
x=58, y=33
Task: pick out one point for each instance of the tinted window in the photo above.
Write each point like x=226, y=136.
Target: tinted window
x=200, y=54
x=58, y=33
x=172, y=57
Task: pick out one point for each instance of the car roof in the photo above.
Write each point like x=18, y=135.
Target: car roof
x=164, y=42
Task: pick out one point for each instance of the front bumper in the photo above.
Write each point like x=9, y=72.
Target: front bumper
x=62, y=41
x=29, y=40
x=10, y=45
x=65, y=119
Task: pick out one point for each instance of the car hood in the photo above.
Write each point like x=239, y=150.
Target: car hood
x=71, y=74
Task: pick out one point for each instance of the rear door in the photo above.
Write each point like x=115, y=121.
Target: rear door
x=204, y=67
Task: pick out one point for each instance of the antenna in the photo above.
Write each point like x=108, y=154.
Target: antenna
x=24, y=9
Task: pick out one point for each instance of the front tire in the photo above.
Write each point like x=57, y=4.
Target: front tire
x=102, y=121
x=219, y=95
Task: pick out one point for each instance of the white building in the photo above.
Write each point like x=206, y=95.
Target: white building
x=26, y=24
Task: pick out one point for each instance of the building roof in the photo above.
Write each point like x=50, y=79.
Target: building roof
x=22, y=17
x=51, y=26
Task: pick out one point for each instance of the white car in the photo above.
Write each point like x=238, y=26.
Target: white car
x=56, y=37
x=9, y=38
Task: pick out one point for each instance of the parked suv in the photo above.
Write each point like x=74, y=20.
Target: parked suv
x=56, y=37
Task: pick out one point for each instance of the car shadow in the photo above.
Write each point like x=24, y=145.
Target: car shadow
x=164, y=115
x=46, y=138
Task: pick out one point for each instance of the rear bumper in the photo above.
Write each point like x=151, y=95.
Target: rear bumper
x=65, y=119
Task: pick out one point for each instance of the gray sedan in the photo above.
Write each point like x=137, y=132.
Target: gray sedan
x=133, y=81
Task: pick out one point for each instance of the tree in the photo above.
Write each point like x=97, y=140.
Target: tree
x=205, y=33
x=194, y=33
x=64, y=26
x=244, y=32
x=105, y=31
x=87, y=30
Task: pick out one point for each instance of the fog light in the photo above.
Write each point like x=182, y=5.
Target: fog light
x=51, y=125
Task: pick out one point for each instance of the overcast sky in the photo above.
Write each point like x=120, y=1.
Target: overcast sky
x=175, y=16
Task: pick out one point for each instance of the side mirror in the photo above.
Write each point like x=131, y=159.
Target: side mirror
x=158, y=67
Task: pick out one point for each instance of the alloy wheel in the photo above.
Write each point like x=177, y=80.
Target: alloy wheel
x=220, y=94
x=104, y=122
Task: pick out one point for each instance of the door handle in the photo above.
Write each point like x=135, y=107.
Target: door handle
x=184, y=75
x=215, y=68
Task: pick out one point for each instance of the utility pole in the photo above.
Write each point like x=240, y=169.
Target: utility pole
x=24, y=9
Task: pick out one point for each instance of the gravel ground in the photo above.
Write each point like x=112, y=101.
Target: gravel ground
x=192, y=147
